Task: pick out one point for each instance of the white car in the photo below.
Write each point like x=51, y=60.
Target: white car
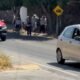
x=68, y=45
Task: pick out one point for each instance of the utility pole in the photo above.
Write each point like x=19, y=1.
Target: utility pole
x=58, y=11
x=59, y=2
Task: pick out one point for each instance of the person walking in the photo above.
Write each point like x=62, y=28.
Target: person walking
x=34, y=22
x=43, y=24
x=17, y=24
x=29, y=26
x=38, y=25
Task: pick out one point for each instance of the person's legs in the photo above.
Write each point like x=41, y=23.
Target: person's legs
x=43, y=28
x=27, y=30
x=17, y=27
x=30, y=30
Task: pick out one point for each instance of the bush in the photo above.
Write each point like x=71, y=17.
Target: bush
x=4, y=62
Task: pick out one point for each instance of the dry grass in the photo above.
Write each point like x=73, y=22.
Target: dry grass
x=5, y=61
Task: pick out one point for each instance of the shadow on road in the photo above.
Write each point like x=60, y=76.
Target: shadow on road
x=16, y=35
x=74, y=66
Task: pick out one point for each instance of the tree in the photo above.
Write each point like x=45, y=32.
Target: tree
x=42, y=6
x=9, y=4
x=46, y=6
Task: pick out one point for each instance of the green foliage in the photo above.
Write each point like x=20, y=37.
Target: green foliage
x=5, y=4
x=64, y=2
x=18, y=3
x=8, y=4
x=48, y=4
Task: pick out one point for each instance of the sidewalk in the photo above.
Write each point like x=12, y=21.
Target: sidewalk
x=40, y=37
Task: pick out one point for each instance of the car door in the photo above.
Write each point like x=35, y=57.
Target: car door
x=67, y=42
x=76, y=44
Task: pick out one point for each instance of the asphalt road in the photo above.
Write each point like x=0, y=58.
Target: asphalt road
x=38, y=48
x=34, y=49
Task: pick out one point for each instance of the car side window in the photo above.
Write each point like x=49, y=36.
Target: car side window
x=76, y=34
x=68, y=32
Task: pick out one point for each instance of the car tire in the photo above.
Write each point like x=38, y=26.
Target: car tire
x=59, y=57
x=3, y=38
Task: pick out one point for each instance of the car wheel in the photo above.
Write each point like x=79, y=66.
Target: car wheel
x=59, y=56
x=3, y=38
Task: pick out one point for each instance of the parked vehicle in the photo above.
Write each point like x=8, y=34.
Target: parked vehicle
x=68, y=45
x=3, y=30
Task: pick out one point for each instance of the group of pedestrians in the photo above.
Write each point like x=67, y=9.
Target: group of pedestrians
x=33, y=24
